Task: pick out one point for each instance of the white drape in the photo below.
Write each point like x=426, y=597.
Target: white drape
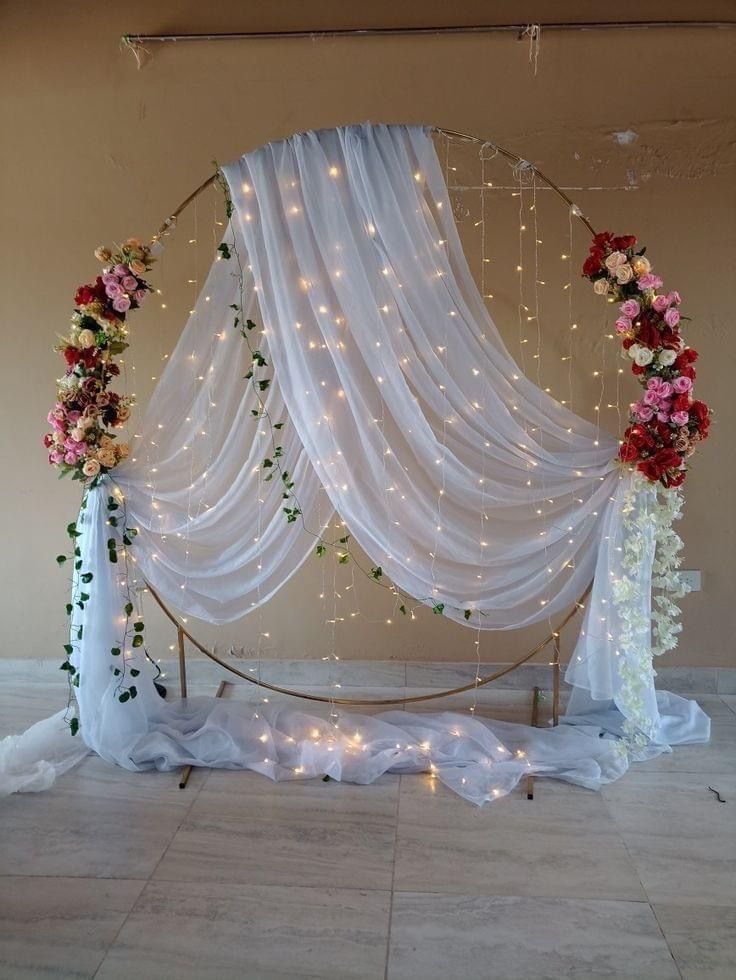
x=465, y=482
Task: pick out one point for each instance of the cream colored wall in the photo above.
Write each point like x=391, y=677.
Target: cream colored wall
x=95, y=150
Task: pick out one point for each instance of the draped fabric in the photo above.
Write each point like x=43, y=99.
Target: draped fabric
x=470, y=488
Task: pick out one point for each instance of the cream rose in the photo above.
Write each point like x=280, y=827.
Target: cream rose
x=103, y=254
x=667, y=357
x=77, y=433
x=624, y=273
x=86, y=338
x=106, y=457
x=137, y=267
x=105, y=442
x=641, y=265
x=643, y=356
x=122, y=449
x=600, y=287
x=91, y=467
x=614, y=260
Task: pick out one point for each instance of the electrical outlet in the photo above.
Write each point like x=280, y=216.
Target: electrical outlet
x=693, y=578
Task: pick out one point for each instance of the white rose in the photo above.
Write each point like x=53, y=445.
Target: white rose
x=666, y=357
x=86, y=338
x=632, y=351
x=643, y=356
x=614, y=260
x=77, y=433
x=600, y=287
x=624, y=273
x=91, y=467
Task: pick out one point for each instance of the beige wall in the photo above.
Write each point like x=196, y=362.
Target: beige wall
x=95, y=150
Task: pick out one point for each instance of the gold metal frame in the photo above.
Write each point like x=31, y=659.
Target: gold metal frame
x=553, y=637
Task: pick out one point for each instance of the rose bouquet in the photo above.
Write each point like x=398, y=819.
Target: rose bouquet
x=80, y=442
x=667, y=422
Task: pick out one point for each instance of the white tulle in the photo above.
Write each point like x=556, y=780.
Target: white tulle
x=470, y=487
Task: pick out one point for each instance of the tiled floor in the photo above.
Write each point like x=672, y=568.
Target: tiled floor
x=114, y=874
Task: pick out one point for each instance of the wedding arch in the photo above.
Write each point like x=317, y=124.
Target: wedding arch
x=375, y=374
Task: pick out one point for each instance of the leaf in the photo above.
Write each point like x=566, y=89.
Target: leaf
x=69, y=608
x=80, y=631
x=279, y=425
x=133, y=691
x=134, y=672
x=263, y=384
x=250, y=325
x=112, y=521
x=87, y=577
x=83, y=597
x=128, y=608
x=266, y=463
x=60, y=559
x=74, y=725
x=438, y=608
x=377, y=573
x=320, y=550
x=117, y=672
x=138, y=627
x=224, y=250
x=65, y=666
x=68, y=649
x=345, y=539
x=402, y=609
x=137, y=640
x=343, y=559
x=468, y=613
x=112, y=504
x=125, y=696
x=113, y=556
x=78, y=565
x=115, y=651
x=71, y=530
x=111, y=544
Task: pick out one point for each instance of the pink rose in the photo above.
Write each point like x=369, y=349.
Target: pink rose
x=682, y=384
x=630, y=308
x=674, y=298
x=672, y=317
x=121, y=270
x=623, y=324
x=643, y=412
x=651, y=397
x=130, y=284
x=114, y=290
x=109, y=279
x=139, y=295
x=663, y=416
x=660, y=303
x=70, y=458
x=121, y=304
x=649, y=281
x=680, y=418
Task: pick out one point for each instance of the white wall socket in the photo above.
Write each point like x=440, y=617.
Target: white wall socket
x=693, y=578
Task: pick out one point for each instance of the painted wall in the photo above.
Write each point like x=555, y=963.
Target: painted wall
x=95, y=150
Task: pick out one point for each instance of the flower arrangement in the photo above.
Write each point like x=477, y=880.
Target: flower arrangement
x=80, y=442
x=667, y=422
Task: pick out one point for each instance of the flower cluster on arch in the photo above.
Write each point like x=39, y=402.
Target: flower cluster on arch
x=82, y=441
x=667, y=422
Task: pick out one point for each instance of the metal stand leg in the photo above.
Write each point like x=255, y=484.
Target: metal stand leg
x=556, y=681
x=187, y=770
x=182, y=664
x=535, y=718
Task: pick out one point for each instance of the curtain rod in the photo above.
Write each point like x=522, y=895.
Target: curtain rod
x=519, y=29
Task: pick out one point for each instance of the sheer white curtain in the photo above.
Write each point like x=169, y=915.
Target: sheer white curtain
x=465, y=482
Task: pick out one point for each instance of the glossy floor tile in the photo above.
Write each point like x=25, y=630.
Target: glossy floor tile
x=219, y=931
x=443, y=936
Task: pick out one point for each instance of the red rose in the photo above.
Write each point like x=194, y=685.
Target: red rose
x=655, y=467
x=688, y=372
x=685, y=357
x=628, y=453
x=602, y=239
x=622, y=242
x=71, y=356
x=699, y=411
x=663, y=431
x=674, y=479
x=681, y=403
x=638, y=369
x=591, y=265
x=84, y=295
x=648, y=332
x=627, y=342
